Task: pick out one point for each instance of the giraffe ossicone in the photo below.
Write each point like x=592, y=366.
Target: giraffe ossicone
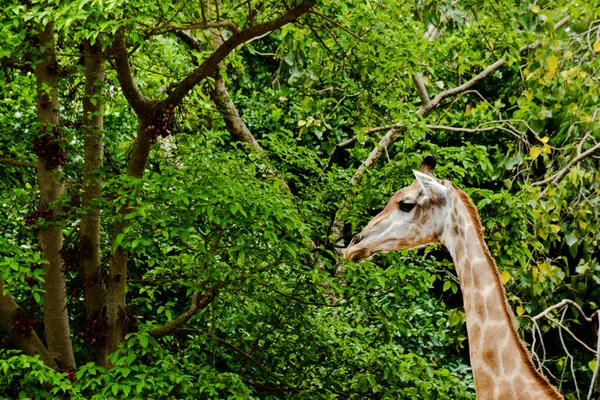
x=432, y=210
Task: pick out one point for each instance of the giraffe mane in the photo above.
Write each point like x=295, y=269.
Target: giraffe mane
x=523, y=351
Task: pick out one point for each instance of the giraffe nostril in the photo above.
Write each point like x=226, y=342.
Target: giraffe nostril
x=356, y=239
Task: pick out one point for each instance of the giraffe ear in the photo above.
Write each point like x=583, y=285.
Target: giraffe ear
x=430, y=185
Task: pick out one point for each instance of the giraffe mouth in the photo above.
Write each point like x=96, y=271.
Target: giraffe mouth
x=356, y=254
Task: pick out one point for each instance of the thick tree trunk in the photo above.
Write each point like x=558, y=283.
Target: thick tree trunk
x=28, y=344
x=90, y=256
x=56, y=319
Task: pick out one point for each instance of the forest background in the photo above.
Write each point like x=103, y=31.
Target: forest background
x=179, y=178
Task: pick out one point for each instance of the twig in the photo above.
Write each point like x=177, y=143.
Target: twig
x=17, y=163
x=336, y=24
x=559, y=323
x=565, y=302
x=459, y=129
x=556, y=178
x=197, y=303
x=204, y=25
x=593, y=386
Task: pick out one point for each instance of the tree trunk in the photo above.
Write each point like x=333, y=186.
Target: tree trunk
x=117, y=275
x=56, y=319
x=90, y=256
x=28, y=344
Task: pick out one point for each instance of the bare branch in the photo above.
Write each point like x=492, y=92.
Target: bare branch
x=461, y=88
x=459, y=129
x=376, y=153
x=424, y=111
x=220, y=96
x=432, y=33
x=383, y=128
x=198, y=303
x=561, y=304
x=561, y=23
x=17, y=163
x=556, y=178
x=565, y=302
x=595, y=384
x=421, y=89
x=189, y=40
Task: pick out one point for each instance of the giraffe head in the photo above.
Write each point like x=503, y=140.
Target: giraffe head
x=414, y=216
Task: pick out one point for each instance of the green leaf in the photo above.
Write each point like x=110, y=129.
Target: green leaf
x=372, y=383
x=447, y=285
x=570, y=239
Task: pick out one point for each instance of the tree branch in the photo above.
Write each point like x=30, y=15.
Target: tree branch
x=209, y=65
x=198, y=303
x=189, y=40
x=223, y=24
x=563, y=303
x=556, y=178
x=595, y=384
x=132, y=93
x=459, y=129
x=421, y=89
x=426, y=109
x=387, y=140
x=28, y=344
x=17, y=163
x=220, y=96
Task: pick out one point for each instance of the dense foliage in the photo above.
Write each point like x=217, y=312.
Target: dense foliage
x=208, y=172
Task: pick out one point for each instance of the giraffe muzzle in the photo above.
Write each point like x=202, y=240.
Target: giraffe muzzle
x=356, y=240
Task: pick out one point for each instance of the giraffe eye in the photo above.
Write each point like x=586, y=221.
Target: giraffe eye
x=406, y=207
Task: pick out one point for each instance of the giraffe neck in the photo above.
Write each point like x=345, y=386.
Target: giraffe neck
x=501, y=364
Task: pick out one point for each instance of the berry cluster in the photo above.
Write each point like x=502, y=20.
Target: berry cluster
x=70, y=373
x=24, y=323
x=69, y=256
x=48, y=147
x=53, y=68
x=32, y=219
x=45, y=102
x=30, y=280
x=161, y=124
x=93, y=329
x=73, y=293
x=94, y=278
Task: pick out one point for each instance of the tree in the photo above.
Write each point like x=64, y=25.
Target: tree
x=195, y=171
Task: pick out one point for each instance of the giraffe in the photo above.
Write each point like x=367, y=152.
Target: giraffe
x=432, y=210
